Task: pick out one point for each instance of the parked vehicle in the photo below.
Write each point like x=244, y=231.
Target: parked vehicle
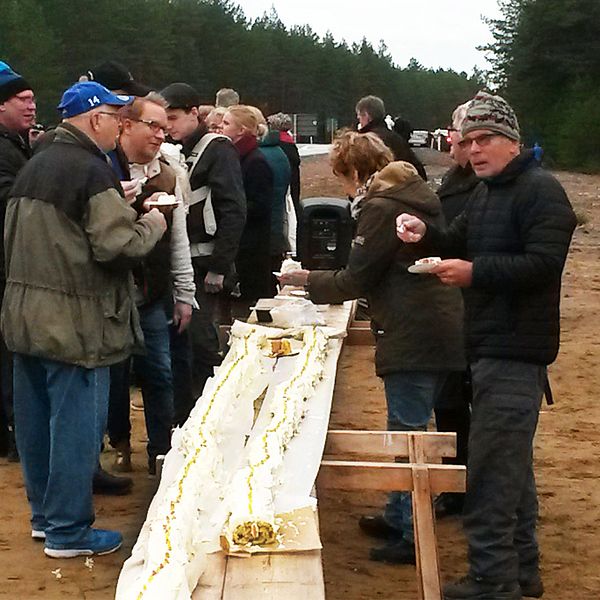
x=419, y=137
x=440, y=140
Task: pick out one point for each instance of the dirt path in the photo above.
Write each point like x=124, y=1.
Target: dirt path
x=567, y=448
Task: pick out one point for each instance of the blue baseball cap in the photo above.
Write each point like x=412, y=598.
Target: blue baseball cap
x=87, y=95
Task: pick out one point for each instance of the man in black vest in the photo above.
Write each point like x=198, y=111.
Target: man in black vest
x=512, y=242
x=17, y=116
x=214, y=226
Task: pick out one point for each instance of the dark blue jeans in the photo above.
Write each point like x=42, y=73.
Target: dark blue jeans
x=153, y=370
x=501, y=506
x=60, y=416
x=410, y=396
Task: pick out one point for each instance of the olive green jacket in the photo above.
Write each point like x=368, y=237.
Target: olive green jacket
x=70, y=243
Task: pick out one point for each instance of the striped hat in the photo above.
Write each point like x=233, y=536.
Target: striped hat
x=493, y=113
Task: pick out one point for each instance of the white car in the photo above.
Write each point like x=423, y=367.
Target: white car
x=419, y=137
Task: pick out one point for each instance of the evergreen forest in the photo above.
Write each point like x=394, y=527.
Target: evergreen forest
x=545, y=57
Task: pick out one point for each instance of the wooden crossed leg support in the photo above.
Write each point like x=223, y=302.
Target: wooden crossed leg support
x=422, y=475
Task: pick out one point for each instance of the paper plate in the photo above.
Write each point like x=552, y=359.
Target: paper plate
x=422, y=268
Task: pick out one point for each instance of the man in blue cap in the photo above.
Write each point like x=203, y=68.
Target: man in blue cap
x=68, y=312
x=17, y=116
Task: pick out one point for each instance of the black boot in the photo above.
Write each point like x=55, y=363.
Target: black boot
x=448, y=504
x=398, y=552
x=477, y=588
x=111, y=485
x=376, y=526
x=532, y=587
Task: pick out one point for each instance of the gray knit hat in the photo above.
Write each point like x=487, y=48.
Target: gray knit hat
x=492, y=113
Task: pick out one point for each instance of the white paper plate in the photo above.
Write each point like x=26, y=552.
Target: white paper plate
x=422, y=268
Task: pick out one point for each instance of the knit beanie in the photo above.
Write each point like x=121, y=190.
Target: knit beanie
x=181, y=95
x=492, y=113
x=11, y=83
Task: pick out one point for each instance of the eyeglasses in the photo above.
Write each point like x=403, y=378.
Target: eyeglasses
x=482, y=140
x=154, y=126
x=110, y=114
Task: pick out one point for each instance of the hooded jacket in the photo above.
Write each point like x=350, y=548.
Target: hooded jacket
x=416, y=320
x=70, y=242
x=516, y=231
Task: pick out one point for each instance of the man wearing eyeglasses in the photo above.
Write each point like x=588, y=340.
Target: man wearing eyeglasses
x=69, y=313
x=164, y=275
x=511, y=242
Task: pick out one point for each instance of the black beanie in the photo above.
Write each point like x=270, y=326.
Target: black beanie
x=11, y=83
x=181, y=95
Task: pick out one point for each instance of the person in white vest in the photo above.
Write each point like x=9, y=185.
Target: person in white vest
x=217, y=214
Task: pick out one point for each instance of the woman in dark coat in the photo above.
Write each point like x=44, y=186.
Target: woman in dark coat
x=283, y=124
x=417, y=321
x=253, y=262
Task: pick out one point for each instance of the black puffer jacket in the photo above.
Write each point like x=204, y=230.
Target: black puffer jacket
x=416, y=320
x=14, y=153
x=456, y=189
x=516, y=230
x=397, y=144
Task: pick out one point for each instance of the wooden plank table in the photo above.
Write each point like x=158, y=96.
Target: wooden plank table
x=277, y=576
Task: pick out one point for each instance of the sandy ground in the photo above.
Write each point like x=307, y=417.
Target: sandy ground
x=567, y=446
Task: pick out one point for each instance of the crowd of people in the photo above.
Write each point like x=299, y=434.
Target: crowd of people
x=146, y=218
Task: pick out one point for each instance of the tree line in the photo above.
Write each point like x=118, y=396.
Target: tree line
x=211, y=44
x=546, y=61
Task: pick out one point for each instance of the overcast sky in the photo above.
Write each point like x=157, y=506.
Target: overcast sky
x=438, y=33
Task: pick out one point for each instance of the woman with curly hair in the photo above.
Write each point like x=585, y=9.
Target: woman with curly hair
x=416, y=320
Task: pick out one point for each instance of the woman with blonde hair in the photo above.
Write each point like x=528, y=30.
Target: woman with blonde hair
x=241, y=123
x=416, y=320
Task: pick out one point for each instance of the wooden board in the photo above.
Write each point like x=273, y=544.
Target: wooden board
x=389, y=444
x=387, y=477
x=294, y=576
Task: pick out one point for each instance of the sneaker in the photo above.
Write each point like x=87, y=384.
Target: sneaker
x=376, y=526
x=111, y=485
x=97, y=541
x=532, y=588
x=394, y=553
x=477, y=588
x=38, y=534
x=122, y=462
x=448, y=504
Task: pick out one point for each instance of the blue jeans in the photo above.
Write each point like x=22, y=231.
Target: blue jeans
x=153, y=370
x=410, y=396
x=60, y=416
